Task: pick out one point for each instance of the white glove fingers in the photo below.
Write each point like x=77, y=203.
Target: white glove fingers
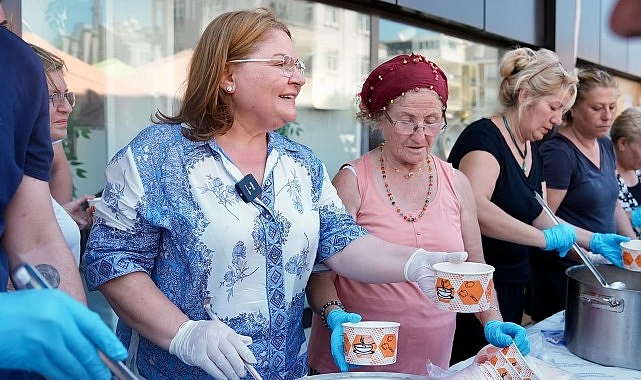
x=240, y=345
x=457, y=257
x=247, y=340
x=227, y=359
x=211, y=368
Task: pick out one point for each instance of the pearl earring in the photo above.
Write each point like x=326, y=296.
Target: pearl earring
x=229, y=89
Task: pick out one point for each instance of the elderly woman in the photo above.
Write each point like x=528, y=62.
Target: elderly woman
x=402, y=193
x=498, y=156
x=626, y=137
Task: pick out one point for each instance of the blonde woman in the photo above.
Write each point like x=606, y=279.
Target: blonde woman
x=499, y=157
x=70, y=214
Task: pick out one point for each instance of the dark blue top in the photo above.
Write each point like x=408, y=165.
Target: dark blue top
x=25, y=144
x=592, y=192
x=513, y=193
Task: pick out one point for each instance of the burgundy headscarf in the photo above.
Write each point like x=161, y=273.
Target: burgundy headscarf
x=400, y=74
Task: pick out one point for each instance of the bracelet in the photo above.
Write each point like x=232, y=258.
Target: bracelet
x=497, y=310
x=491, y=307
x=324, y=307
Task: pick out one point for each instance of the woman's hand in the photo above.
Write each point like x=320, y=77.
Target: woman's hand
x=83, y=217
x=560, y=238
x=418, y=268
x=502, y=334
x=335, y=319
x=214, y=347
x=608, y=245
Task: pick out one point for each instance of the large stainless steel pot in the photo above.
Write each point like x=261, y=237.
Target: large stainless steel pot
x=603, y=325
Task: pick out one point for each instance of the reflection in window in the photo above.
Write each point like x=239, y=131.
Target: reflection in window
x=467, y=64
x=364, y=24
x=331, y=17
x=128, y=58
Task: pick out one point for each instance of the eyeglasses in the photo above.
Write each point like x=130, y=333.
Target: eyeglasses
x=406, y=127
x=287, y=63
x=57, y=98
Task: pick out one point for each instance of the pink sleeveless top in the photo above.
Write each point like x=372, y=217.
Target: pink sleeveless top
x=426, y=332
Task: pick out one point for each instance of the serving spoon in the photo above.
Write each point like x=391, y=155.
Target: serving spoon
x=588, y=263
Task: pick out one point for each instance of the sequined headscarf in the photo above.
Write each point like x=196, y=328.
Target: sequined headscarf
x=395, y=77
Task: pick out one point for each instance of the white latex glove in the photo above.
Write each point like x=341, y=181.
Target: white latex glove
x=214, y=347
x=418, y=268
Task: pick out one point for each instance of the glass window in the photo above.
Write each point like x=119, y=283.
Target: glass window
x=471, y=70
x=127, y=59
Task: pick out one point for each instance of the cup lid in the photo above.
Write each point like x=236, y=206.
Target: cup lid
x=634, y=245
x=371, y=324
x=466, y=267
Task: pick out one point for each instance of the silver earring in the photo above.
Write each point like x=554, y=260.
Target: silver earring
x=229, y=89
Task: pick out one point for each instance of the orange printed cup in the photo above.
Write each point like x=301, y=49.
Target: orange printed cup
x=370, y=342
x=631, y=254
x=507, y=362
x=465, y=287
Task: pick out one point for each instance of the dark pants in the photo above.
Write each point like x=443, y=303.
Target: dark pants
x=546, y=292
x=469, y=336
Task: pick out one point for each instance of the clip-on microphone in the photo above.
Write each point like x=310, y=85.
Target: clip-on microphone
x=248, y=188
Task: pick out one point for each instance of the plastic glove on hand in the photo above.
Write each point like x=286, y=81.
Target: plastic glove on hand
x=335, y=318
x=419, y=268
x=502, y=334
x=560, y=238
x=48, y=332
x=214, y=347
x=636, y=217
x=608, y=246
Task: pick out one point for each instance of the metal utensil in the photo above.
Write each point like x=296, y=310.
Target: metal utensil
x=588, y=263
x=210, y=312
x=26, y=276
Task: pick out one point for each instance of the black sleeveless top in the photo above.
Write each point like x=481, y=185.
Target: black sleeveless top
x=513, y=193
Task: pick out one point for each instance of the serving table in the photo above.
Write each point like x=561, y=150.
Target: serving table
x=547, y=344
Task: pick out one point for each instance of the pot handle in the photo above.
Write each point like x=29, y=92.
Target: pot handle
x=605, y=303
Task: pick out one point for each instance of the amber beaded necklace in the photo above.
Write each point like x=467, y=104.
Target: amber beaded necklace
x=428, y=197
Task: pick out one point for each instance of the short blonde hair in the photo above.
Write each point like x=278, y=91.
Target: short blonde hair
x=50, y=62
x=627, y=126
x=539, y=72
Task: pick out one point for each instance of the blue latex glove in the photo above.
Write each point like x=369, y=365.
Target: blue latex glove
x=636, y=217
x=607, y=245
x=502, y=334
x=334, y=320
x=559, y=238
x=48, y=332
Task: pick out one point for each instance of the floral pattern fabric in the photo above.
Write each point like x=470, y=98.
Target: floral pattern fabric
x=627, y=199
x=170, y=209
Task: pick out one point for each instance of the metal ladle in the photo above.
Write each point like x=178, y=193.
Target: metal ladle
x=588, y=263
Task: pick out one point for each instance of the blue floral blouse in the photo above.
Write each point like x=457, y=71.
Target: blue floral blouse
x=170, y=209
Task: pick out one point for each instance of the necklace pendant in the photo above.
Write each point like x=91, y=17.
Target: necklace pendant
x=524, y=166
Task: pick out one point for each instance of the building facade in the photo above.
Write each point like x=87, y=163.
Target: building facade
x=128, y=59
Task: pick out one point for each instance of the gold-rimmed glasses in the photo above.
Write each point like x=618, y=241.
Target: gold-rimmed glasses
x=287, y=63
x=58, y=98
x=407, y=127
